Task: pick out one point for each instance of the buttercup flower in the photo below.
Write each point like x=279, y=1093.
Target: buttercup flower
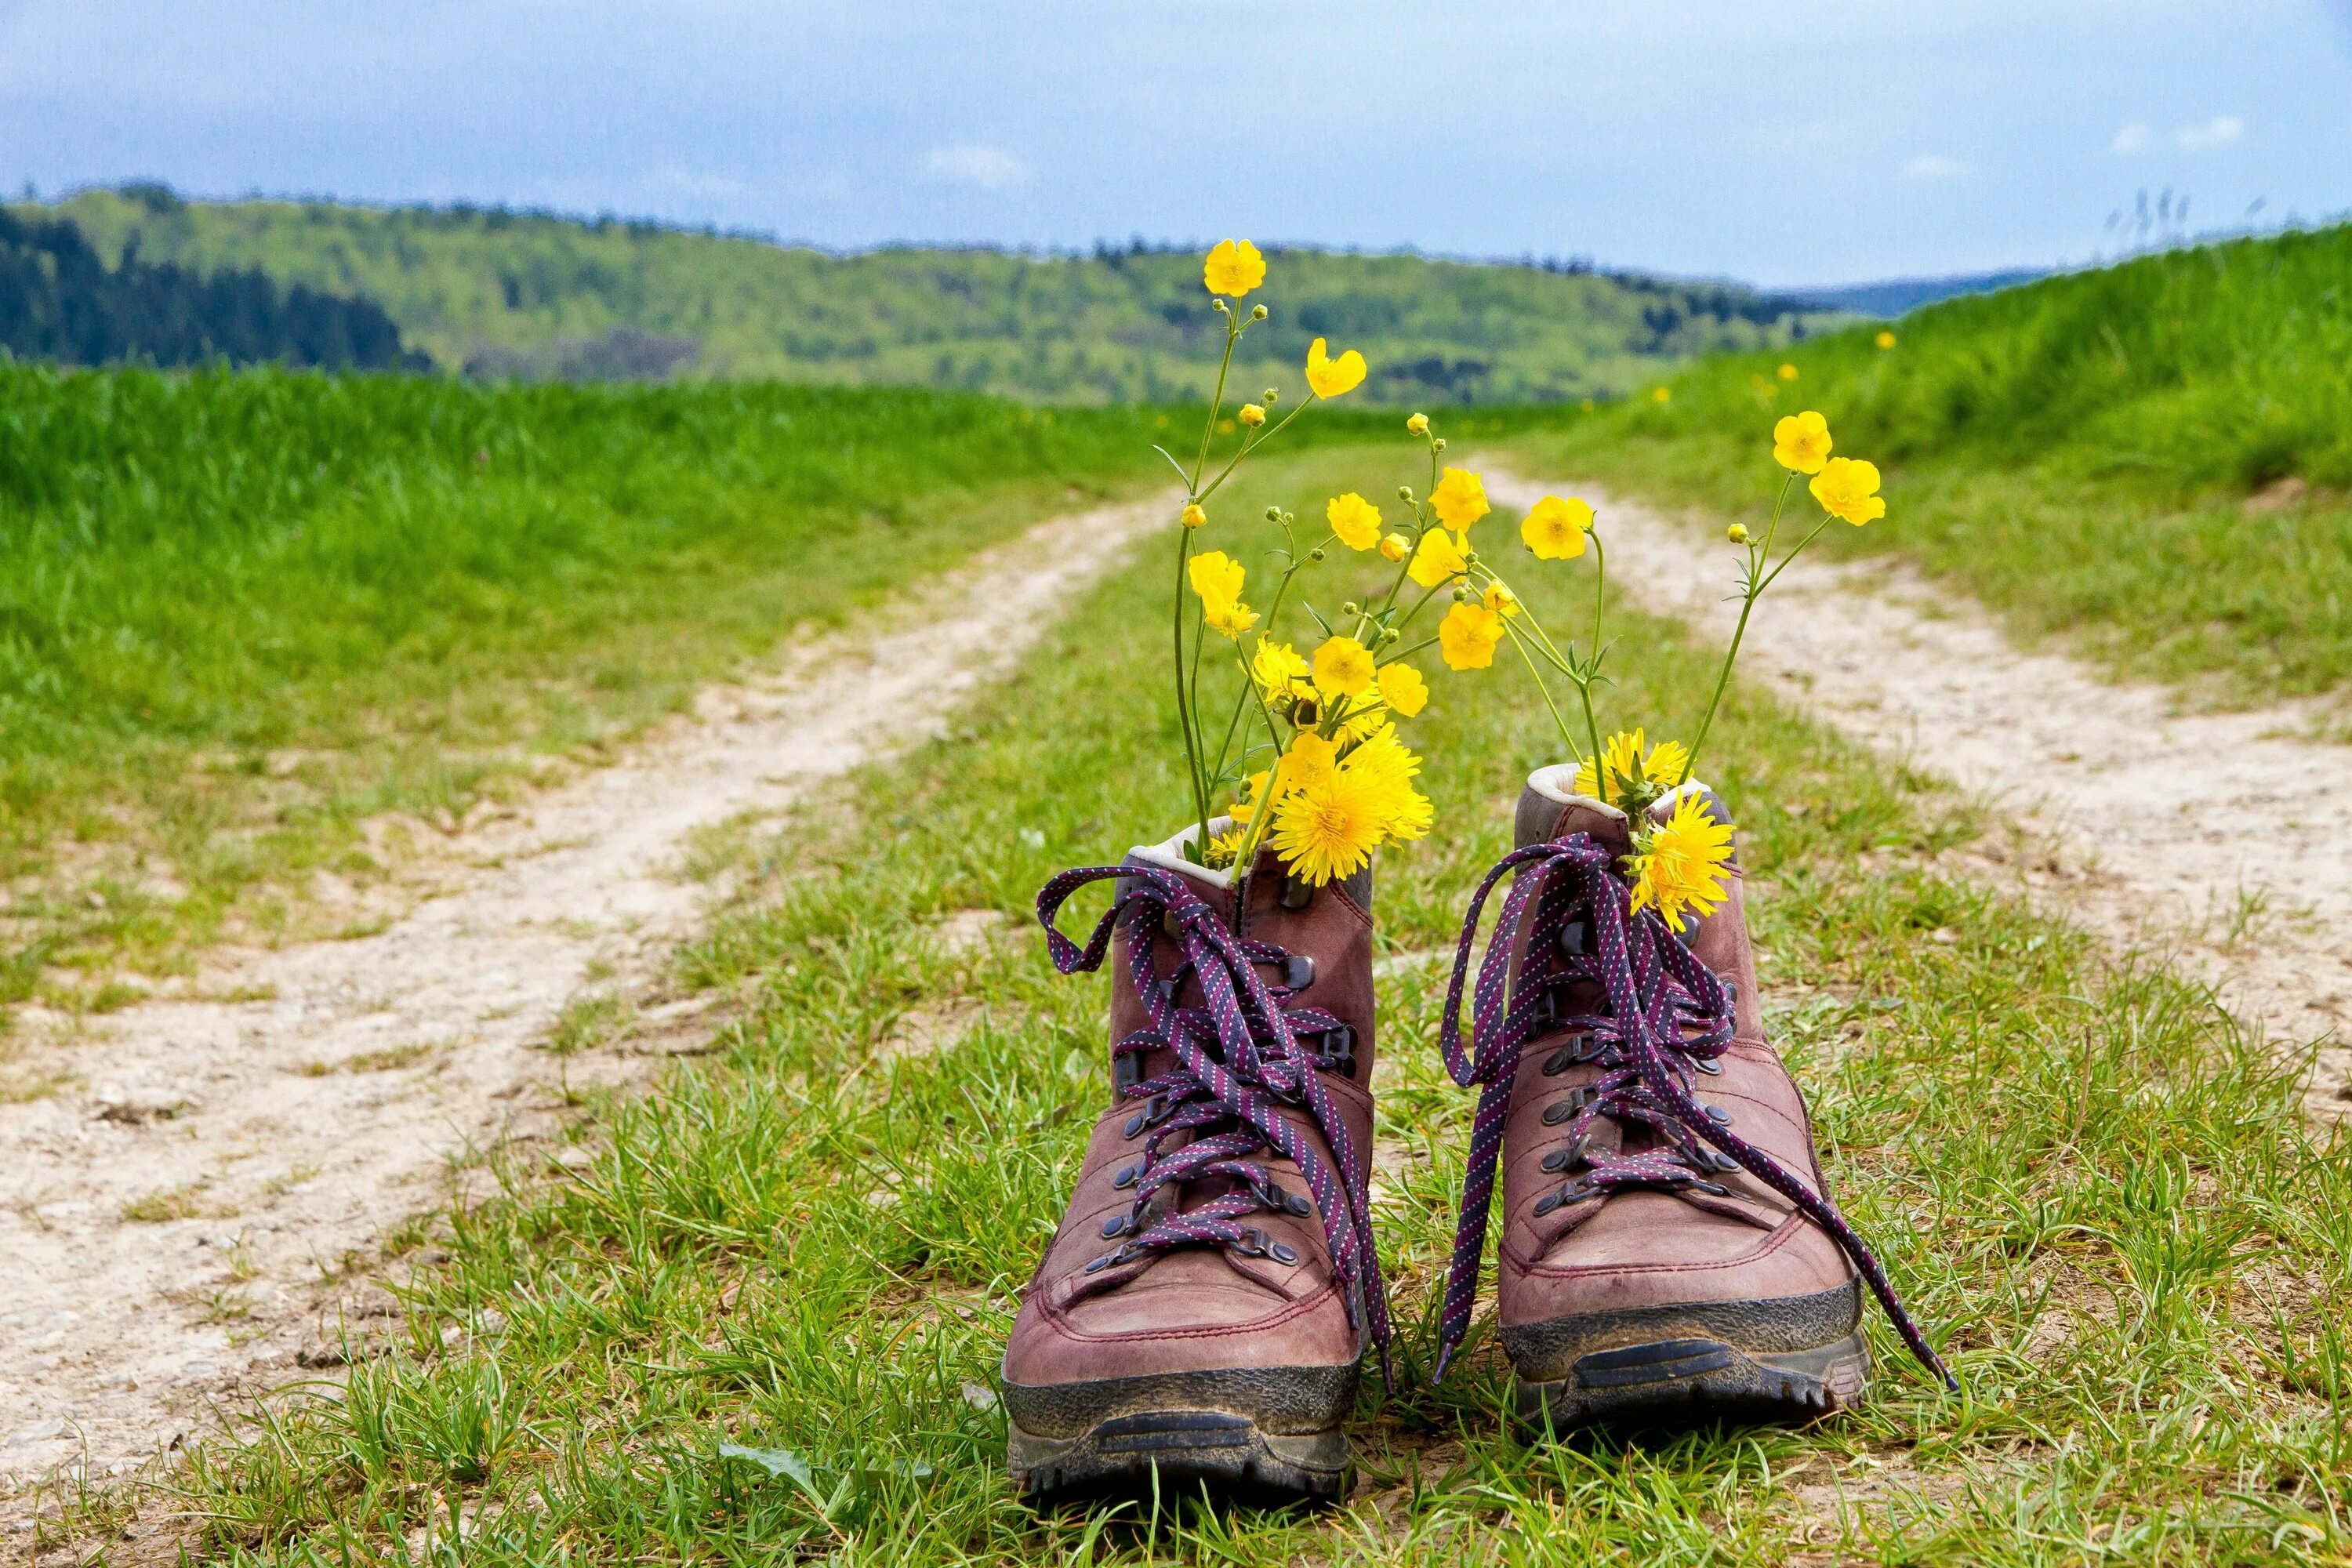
x=1311, y=759
x=1625, y=756
x=1216, y=576
x=1233, y=268
x=1438, y=558
x=1662, y=394
x=1800, y=442
x=1679, y=867
x=1343, y=668
x=1554, y=529
x=1848, y=488
x=1330, y=377
x=1788, y=372
x=1736, y=533
x=1404, y=690
x=1356, y=521
x=1886, y=340
x=1459, y=500
x=1276, y=665
x=1327, y=829
x=1469, y=635
x=1418, y=423
x=1230, y=616
x=1394, y=546
x=1193, y=516
x=1251, y=415
x=1501, y=600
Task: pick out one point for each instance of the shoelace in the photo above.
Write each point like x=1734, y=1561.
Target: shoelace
x=1668, y=1014
x=1239, y=1059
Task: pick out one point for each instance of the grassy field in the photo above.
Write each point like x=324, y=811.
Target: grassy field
x=2151, y=459
x=2094, y=1189
x=239, y=614
x=544, y=295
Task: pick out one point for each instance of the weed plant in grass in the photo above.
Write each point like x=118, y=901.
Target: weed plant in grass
x=240, y=611
x=2079, y=453
x=2094, y=1189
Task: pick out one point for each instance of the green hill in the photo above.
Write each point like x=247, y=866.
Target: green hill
x=2150, y=457
x=529, y=294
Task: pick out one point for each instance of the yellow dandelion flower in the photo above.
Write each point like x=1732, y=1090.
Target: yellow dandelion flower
x=1329, y=828
x=1800, y=442
x=1439, y=557
x=1331, y=378
x=1233, y=268
x=1251, y=415
x=1418, y=423
x=1223, y=848
x=1848, y=488
x=1356, y=521
x=1468, y=635
x=1216, y=576
x=1501, y=600
x=1193, y=516
x=1678, y=868
x=1459, y=500
x=1404, y=690
x=1405, y=813
x=1627, y=755
x=1884, y=340
x=1393, y=546
x=1554, y=528
x=1788, y=372
x=1343, y=668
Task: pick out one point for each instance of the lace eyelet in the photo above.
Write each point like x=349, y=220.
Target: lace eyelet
x=1576, y=939
x=1283, y=1252
x=1128, y=1177
x=1298, y=972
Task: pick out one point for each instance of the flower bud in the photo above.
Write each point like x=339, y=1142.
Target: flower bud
x=1404, y=494
x=1736, y=533
x=1251, y=415
x=1193, y=517
x=1270, y=396
x=1395, y=546
x=1219, y=307
x=1274, y=514
x=1316, y=554
x=1418, y=425
x=1462, y=594
x=1257, y=312
x=1350, y=608
x=1438, y=444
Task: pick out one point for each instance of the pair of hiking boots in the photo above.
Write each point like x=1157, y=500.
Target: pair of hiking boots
x=1668, y=1251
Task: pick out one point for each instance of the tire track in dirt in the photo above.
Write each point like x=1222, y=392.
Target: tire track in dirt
x=262, y=1149
x=2218, y=838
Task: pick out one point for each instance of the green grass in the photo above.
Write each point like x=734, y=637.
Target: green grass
x=2098, y=1192
x=2079, y=453
x=239, y=614
x=528, y=291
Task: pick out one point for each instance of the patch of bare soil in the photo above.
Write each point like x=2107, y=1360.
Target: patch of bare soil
x=194, y=1212
x=2219, y=838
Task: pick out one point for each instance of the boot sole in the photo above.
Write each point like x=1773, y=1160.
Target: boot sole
x=1784, y=1359
x=1268, y=1435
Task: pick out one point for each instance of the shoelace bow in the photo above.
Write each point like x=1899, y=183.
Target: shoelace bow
x=1668, y=1016
x=1239, y=1059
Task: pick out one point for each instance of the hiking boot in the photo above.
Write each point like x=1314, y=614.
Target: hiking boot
x=1204, y=1305
x=1670, y=1251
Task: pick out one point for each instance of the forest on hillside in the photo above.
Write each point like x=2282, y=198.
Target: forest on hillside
x=508, y=294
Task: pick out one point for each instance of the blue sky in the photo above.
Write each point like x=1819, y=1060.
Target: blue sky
x=1780, y=141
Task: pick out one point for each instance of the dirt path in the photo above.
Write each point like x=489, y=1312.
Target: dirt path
x=2218, y=835
x=180, y=1222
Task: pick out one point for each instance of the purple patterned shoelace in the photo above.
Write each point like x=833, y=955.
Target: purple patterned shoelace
x=1239, y=1059
x=1668, y=1016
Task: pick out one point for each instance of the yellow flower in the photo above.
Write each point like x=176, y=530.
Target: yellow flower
x=1418, y=423
x=1502, y=601
x=1310, y=760
x=1253, y=794
x=1330, y=377
x=1679, y=864
x=1230, y=616
x=1276, y=665
x=1394, y=546
x=1460, y=499
x=1439, y=557
x=1404, y=690
x=1662, y=394
x=1329, y=828
x=1800, y=442
x=1848, y=488
x=1343, y=668
x=1886, y=340
x=1469, y=635
x=1626, y=756
x=1554, y=529
x=1251, y=415
x=1586, y=405
x=1223, y=848
x=1216, y=576
x=1736, y=533
x=1405, y=813
x=1193, y=516
x=1788, y=372
x=1356, y=521
x=1233, y=268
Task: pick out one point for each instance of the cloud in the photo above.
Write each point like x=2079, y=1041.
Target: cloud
x=2217, y=131
x=2133, y=138
x=1936, y=167
x=978, y=165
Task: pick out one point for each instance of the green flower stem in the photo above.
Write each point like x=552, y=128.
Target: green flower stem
x=1755, y=588
x=1183, y=708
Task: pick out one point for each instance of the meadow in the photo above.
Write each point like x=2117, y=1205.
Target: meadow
x=2151, y=460
x=2095, y=1188
x=240, y=614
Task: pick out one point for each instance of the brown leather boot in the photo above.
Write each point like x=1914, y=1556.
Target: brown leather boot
x=1203, y=1309
x=1669, y=1248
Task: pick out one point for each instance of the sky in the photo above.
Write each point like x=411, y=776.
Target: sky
x=1781, y=142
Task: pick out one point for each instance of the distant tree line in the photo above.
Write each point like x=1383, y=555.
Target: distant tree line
x=59, y=300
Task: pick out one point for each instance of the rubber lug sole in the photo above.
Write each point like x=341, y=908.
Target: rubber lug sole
x=1693, y=1380
x=1176, y=1453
